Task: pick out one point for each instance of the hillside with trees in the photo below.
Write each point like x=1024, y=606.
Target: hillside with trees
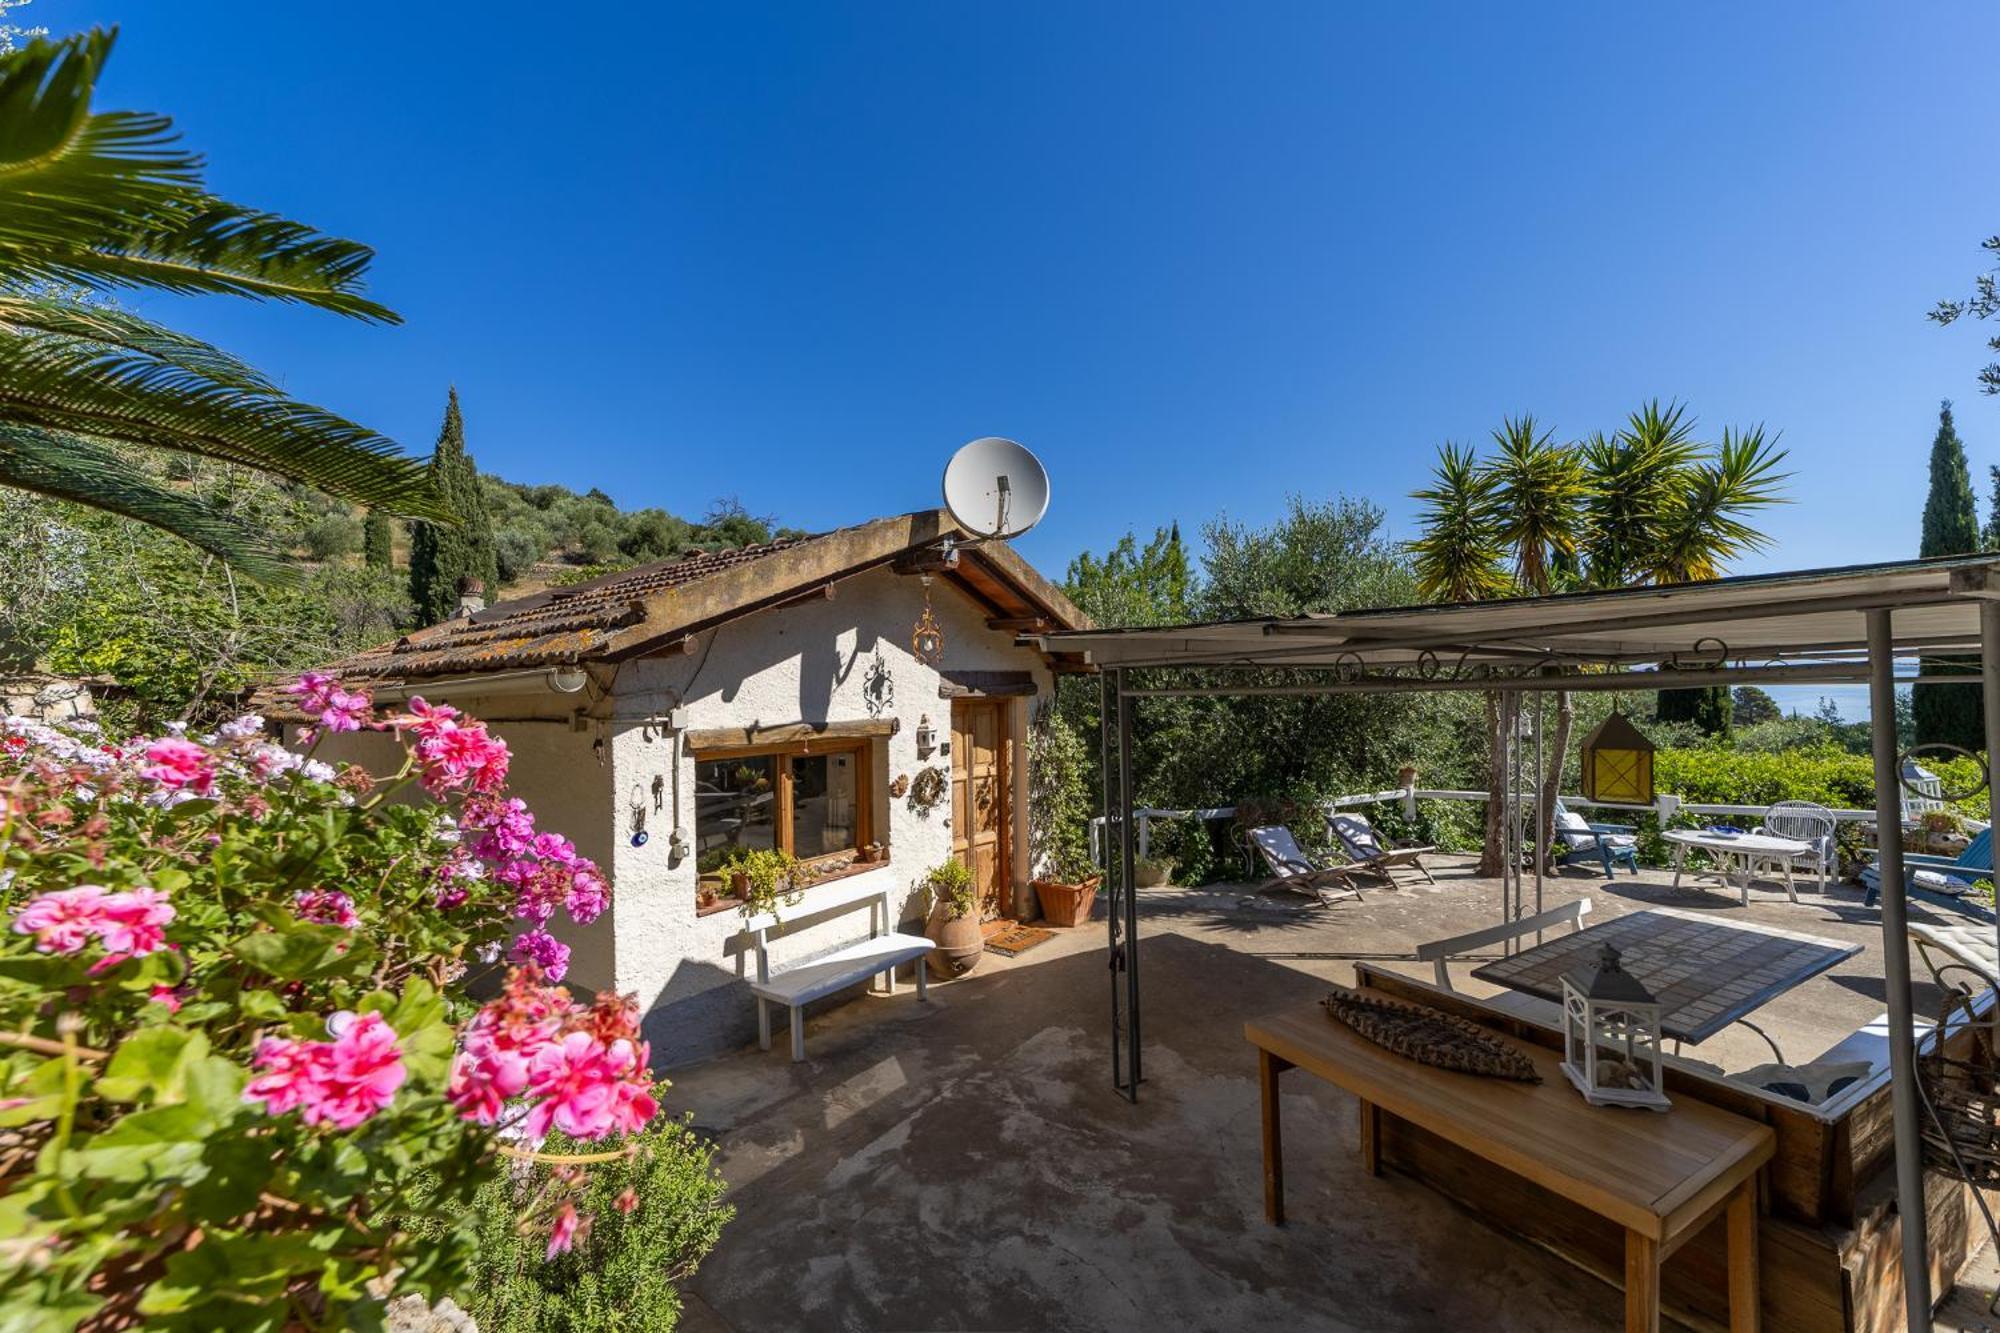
x=171, y=631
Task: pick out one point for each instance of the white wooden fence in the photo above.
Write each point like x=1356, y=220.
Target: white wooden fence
x=1666, y=806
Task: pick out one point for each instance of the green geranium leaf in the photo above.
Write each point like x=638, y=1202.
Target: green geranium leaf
x=148, y=1065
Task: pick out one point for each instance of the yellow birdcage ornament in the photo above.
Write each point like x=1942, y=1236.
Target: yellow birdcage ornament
x=1618, y=763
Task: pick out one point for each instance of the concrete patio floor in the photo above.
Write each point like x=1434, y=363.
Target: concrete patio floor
x=965, y=1164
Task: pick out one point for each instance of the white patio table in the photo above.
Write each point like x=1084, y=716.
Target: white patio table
x=1740, y=857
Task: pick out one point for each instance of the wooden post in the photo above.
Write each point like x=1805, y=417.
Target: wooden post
x=1269, y=1067
x=1744, y=1313
x=1642, y=1283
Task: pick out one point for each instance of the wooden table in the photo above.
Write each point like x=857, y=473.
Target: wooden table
x=1738, y=856
x=1659, y=1175
x=1706, y=973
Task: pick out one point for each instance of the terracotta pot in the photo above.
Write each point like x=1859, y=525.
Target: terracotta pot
x=739, y=883
x=1066, y=904
x=1406, y=776
x=960, y=943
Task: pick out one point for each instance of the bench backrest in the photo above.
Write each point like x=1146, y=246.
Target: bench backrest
x=1439, y=952
x=821, y=902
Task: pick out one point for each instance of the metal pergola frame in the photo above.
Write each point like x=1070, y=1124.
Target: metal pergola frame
x=1835, y=626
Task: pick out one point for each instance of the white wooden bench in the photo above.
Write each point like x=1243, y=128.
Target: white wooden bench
x=1438, y=953
x=797, y=986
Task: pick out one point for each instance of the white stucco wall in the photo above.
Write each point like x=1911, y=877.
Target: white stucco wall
x=810, y=662
x=805, y=663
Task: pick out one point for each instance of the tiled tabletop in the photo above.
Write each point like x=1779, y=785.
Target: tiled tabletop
x=1705, y=973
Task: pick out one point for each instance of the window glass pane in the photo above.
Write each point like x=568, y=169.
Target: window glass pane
x=823, y=804
x=735, y=806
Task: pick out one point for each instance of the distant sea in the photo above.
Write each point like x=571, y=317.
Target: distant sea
x=1851, y=700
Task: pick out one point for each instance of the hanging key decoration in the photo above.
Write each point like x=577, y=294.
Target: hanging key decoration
x=927, y=641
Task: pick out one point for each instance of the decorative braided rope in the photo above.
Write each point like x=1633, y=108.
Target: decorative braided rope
x=1429, y=1037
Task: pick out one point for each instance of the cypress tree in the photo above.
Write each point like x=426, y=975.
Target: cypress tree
x=442, y=558
x=1709, y=707
x=1949, y=713
x=376, y=549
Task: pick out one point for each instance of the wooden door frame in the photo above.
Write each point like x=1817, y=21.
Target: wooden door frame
x=1003, y=739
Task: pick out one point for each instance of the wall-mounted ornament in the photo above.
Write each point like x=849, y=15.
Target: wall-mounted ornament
x=639, y=835
x=878, y=687
x=927, y=789
x=900, y=787
x=927, y=640
x=926, y=737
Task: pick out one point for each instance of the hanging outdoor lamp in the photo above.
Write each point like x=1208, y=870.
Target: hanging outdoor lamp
x=1618, y=763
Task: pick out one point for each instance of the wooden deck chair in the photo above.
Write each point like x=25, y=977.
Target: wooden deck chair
x=1611, y=845
x=1293, y=870
x=1366, y=851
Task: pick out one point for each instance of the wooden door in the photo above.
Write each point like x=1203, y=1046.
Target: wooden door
x=982, y=800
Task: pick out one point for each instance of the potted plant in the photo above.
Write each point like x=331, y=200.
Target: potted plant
x=1058, y=817
x=767, y=879
x=953, y=922
x=1152, y=872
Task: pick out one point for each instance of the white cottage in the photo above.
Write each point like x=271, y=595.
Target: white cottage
x=763, y=697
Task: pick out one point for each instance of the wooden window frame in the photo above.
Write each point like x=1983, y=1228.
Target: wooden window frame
x=863, y=750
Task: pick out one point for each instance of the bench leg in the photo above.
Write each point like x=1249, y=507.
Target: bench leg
x=1269, y=1067
x=889, y=981
x=763, y=1024
x=1743, y=1299
x=798, y=1033
x=918, y=970
x=1371, y=1139
x=1642, y=1284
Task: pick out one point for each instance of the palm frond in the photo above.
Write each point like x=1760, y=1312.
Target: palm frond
x=66, y=468
x=1701, y=534
x=218, y=248
x=112, y=393
x=119, y=328
x=106, y=200
x=66, y=171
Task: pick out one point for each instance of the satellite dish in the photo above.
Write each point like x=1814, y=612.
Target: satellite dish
x=995, y=488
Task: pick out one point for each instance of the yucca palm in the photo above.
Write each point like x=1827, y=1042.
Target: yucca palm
x=98, y=202
x=1459, y=557
x=1539, y=492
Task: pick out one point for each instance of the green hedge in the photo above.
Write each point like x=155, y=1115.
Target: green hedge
x=1823, y=774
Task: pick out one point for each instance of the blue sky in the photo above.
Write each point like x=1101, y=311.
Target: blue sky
x=1196, y=256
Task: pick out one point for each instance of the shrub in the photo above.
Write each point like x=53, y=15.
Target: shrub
x=950, y=884
x=655, y=1213
x=1189, y=843
x=1059, y=807
x=238, y=1066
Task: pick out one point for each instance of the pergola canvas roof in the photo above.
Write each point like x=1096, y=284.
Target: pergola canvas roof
x=1850, y=624
x=1755, y=621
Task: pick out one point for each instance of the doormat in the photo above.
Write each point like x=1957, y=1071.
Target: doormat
x=1017, y=940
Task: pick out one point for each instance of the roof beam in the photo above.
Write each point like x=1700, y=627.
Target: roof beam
x=1842, y=674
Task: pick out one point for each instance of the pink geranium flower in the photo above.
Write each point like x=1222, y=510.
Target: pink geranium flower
x=179, y=765
x=567, y=1229
x=341, y=1082
x=128, y=924
x=544, y=950
x=63, y=921
x=133, y=921
x=327, y=907
x=322, y=699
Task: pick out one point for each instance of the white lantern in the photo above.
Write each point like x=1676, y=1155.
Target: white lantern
x=1611, y=1036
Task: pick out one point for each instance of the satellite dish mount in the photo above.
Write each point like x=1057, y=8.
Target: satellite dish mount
x=995, y=489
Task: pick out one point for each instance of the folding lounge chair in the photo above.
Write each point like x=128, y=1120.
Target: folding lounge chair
x=1367, y=853
x=1292, y=869
x=1612, y=845
x=1938, y=879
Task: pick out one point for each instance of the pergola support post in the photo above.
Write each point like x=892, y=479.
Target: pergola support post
x=1121, y=916
x=1989, y=693
x=1896, y=968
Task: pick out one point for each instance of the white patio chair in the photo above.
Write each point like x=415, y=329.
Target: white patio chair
x=1808, y=823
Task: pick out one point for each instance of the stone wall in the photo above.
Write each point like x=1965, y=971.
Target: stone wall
x=45, y=698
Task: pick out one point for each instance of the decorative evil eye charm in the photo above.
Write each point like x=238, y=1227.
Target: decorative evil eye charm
x=639, y=837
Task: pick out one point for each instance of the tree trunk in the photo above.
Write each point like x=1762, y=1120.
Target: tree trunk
x=1552, y=779
x=1492, y=852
